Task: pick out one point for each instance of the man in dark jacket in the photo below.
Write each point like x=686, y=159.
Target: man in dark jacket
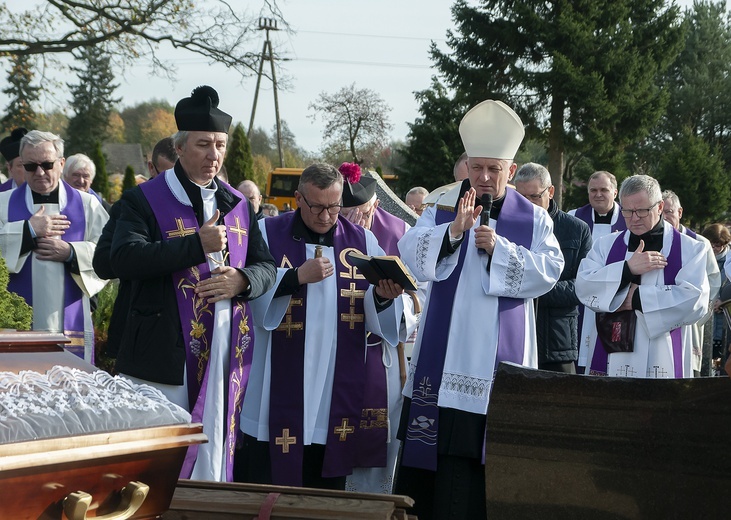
x=190, y=246
x=557, y=317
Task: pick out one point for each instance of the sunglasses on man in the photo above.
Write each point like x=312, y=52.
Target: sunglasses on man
x=45, y=165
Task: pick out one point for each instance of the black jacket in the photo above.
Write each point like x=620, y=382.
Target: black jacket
x=152, y=345
x=558, y=315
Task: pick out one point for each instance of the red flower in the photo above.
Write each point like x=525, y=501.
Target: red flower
x=351, y=172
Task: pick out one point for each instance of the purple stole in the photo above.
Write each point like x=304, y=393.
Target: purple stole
x=515, y=223
x=6, y=186
x=692, y=234
x=353, y=421
x=196, y=314
x=618, y=252
x=586, y=213
x=22, y=282
x=388, y=230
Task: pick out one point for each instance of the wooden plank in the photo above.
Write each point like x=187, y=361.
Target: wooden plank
x=194, y=500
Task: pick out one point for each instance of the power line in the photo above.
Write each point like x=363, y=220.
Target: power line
x=367, y=63
x=380, y=36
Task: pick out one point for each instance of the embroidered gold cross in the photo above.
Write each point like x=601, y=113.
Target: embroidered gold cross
x=289, y=325
x=285, y=440
x=374, y=418
x=181, y=231
x=352, y=293
x=240, y=232
x=351, y=317
x=344, y=429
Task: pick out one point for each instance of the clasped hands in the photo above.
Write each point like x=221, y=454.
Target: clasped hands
x=48, y=230
x=467, y=215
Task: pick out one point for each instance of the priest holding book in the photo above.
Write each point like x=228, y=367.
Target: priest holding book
x=485, y=265
x=313, y=410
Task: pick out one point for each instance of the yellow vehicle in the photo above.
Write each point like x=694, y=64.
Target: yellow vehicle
x=281, y=185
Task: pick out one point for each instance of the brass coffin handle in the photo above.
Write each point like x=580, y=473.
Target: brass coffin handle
x=76, y=504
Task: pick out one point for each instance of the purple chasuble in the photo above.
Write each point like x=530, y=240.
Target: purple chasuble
x=618, y=253
x=388, y=230
x=196, y=314
x=347, y=425
x=73, y=297
x=515, y=223
x=586, y=213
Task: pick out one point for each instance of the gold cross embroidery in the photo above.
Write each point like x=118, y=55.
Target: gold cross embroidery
x=285, y=440
x=344, y=429
x=351, y=317
x=181, y=231
x=374, y=418
x=352, y=293
x=240, y=232
x=289, y=325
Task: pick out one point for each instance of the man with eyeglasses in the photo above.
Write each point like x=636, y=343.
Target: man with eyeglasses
x=603, y=217
x=557, y=313
x=485, y=266
x=48, y=234
x=650, y=279
x=10, y=150
x=672, y=212
x=312, y=411
x=189, y=245
x=253, y=194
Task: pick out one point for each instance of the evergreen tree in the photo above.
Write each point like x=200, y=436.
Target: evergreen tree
x=101, y=180
x=22, y=94
x=129, y=180
x=582, y=75
x=92, y=101
x=693, y=170
x=238, y=162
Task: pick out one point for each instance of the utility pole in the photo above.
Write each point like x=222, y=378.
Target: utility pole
x=268, y=24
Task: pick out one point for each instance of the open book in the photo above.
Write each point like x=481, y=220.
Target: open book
x=375, y=268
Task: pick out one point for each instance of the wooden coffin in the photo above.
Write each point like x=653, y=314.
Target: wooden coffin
x=133, y=471
x=563, y=446
x=195, y=500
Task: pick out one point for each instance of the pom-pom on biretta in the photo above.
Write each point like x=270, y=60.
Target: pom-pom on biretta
x=200, y=112
x=10, y=145
x=351, y=172
x=199, y=95
x=358, y=190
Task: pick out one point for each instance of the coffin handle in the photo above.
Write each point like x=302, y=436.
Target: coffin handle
x=76, y=504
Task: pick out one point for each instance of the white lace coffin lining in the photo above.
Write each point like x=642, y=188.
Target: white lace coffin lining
x=66, y=401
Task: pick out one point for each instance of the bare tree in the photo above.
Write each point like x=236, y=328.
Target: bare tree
x=355, y=119
x=134, y=29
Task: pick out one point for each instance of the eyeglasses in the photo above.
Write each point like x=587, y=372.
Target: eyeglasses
x=641, y=213
x=45, y=165
x=538, y=196
x=317, y=209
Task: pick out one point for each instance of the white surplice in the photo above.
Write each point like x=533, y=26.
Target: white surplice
x=587, y=329
x=474, y=325
x=664, y=307
x=49, y=277
x=320, y=346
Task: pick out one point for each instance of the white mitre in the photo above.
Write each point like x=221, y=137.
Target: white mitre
x=491, y=129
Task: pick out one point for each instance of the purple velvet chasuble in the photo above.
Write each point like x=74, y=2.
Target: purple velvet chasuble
x=196, y=314
x=515, y=223
x=354, y=421
x=618, y=253
x=586, y=213
x=22, y=282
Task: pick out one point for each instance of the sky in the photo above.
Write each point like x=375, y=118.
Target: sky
x=381, y=45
